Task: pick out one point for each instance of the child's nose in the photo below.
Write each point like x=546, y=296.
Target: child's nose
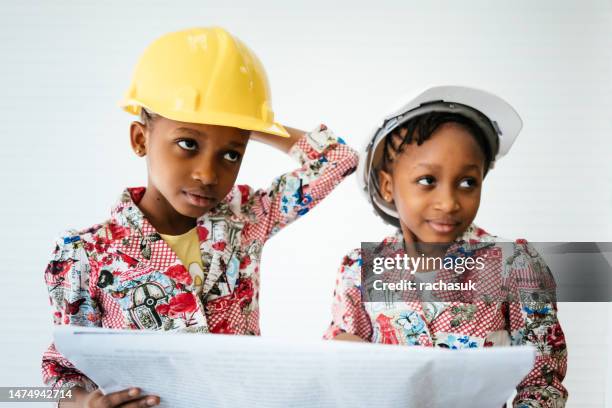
x=447, y=201
x=205, y=173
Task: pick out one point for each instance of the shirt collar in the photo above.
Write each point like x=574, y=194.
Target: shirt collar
x=126, y=212
x=472, y=239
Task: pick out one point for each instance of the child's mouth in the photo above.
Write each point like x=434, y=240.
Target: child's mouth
x=199, y=200
x=443, y=227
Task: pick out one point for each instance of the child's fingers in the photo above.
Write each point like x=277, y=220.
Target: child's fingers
x=146, y=401
x=121, y=398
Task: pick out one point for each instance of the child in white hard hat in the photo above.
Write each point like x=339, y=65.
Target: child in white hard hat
x=423, y=172
x=183, y=253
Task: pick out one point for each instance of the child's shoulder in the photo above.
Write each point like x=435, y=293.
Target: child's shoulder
x=354, y=257
x=72, y=252
x=478, y=234
x=349, y=272
x=511, y=248
x=72, y=238
x=522, y=261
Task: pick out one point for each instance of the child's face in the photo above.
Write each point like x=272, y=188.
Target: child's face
x=436, y=186
x=192, y=166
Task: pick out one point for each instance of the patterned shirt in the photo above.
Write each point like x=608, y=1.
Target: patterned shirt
x=121, y=274
x=187, y=249
x=528, y=314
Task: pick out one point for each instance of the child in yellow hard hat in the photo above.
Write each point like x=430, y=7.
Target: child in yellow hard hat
x=184, y=252
x=423, y=172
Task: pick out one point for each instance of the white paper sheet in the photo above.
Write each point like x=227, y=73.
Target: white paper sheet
x=197, y=370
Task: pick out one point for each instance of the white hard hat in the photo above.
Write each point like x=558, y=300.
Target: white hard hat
x=498, y=120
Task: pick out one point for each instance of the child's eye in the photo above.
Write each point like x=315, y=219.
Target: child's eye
x=232, y=156
x=426, y=181
x=187, y=144
x=467, y=183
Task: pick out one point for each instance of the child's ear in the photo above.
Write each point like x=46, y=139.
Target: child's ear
x=138, y=138
x=385, y=181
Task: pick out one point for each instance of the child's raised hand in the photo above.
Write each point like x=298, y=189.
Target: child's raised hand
x=128, y=398
x=281, y=143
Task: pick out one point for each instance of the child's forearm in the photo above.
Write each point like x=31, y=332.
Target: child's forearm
x=281, y=143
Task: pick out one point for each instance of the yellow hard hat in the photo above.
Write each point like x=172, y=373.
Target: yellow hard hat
x=203, y=75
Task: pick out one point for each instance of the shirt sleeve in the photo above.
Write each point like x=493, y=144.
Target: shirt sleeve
x=72, y=302
x=348, y=311
x=531, y=315
x=325, y=161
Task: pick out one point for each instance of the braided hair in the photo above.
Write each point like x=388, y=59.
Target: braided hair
x=422, y=127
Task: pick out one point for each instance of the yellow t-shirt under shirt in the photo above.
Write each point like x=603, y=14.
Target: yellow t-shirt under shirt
x=187, y=248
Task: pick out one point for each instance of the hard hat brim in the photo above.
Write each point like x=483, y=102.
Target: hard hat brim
x=210, y=118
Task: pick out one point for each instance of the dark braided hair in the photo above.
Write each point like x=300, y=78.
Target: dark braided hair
x=421, y=127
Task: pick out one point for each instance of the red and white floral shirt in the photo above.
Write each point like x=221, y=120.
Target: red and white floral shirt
x=469, y=319
x=121, y=274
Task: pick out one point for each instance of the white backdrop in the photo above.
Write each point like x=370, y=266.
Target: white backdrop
x=65, y=154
